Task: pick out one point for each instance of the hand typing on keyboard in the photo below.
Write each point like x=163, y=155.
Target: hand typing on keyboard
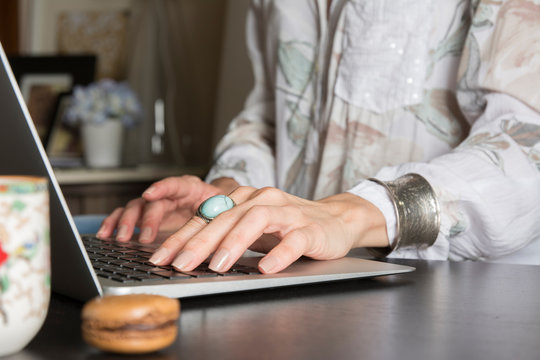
x=167, y=209
x=266, y=220
x=127, y=262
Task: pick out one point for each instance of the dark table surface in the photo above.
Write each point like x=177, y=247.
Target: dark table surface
x=443, y=310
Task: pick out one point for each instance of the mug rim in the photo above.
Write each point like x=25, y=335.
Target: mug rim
x=22, y=184
x=27, y=178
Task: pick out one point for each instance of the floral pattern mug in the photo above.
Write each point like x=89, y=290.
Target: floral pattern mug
x=24, y=260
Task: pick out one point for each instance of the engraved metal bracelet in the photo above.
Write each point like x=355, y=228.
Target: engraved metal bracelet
x=417, y=213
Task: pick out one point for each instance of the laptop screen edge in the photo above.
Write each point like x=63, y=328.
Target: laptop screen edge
x=62, y=260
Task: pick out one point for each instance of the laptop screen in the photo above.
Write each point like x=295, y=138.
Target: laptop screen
x=21, y=153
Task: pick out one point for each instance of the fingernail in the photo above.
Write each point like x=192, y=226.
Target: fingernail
x=122, y=230
x=149, y=191
x=160, y=255
x=145, y=235
x=219, y=260
x=183, y=260
x=268, y=264
x=100, y=232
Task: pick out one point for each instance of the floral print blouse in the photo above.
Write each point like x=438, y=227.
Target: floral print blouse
x=354, y=89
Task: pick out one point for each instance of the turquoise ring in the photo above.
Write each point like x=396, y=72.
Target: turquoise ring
x=213, y=206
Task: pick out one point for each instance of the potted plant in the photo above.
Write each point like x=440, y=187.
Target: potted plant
x=103, y=110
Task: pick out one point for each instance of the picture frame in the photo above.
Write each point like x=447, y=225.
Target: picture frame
x=64, y=147
x=43, y=78
x=40, y=92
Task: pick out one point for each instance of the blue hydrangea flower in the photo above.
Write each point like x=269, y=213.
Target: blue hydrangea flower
x=103, y=100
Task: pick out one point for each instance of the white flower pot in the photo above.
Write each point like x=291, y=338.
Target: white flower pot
x=103, y=143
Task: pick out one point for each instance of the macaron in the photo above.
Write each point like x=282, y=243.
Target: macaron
x=130, y=324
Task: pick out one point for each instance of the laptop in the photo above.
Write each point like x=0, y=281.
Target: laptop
x=81, y=265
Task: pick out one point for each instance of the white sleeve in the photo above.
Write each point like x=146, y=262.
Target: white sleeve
x=489, y=186
x=246, y=152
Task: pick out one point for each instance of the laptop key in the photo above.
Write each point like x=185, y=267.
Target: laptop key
x=99, y=264
x=124, y=273
x=119, y=262
x=104, y=259
x=154, y=269
x=100, y=251
x=200, y=274
x=246, y=269
x=232, y=273
x=143, y=254
x=147, y=277
x=124, y=252
x=143, y=267
x=107, y=246
x=171, y=274
x=129, y=265
x=134, y=259
x=111, y=268
x=103, y=273
x=122, y=279
x=141, y=248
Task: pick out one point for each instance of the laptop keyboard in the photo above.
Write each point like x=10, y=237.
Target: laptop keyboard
x=128, y=262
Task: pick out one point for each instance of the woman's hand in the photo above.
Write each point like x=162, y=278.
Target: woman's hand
x=324, y=229
x=165, y=206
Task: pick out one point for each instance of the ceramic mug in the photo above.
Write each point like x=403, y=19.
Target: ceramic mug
x=24, y=260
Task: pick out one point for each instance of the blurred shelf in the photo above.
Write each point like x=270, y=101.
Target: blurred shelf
x=100, y=191
x=72, y=176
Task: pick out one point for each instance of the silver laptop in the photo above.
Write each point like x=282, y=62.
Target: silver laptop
x=82, y=266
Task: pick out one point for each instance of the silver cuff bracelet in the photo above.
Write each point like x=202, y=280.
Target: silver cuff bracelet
x=417, y=213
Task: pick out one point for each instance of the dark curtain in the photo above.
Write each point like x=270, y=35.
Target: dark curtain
x=174, y=53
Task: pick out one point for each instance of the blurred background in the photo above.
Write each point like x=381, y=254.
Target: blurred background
x=188, y=55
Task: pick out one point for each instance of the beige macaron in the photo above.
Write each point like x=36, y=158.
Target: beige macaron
x=130, y=324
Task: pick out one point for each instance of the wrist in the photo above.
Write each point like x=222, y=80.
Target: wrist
x=362, y=221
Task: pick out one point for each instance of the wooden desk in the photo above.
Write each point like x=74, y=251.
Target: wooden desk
x=441, y=311
x=99, y=191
